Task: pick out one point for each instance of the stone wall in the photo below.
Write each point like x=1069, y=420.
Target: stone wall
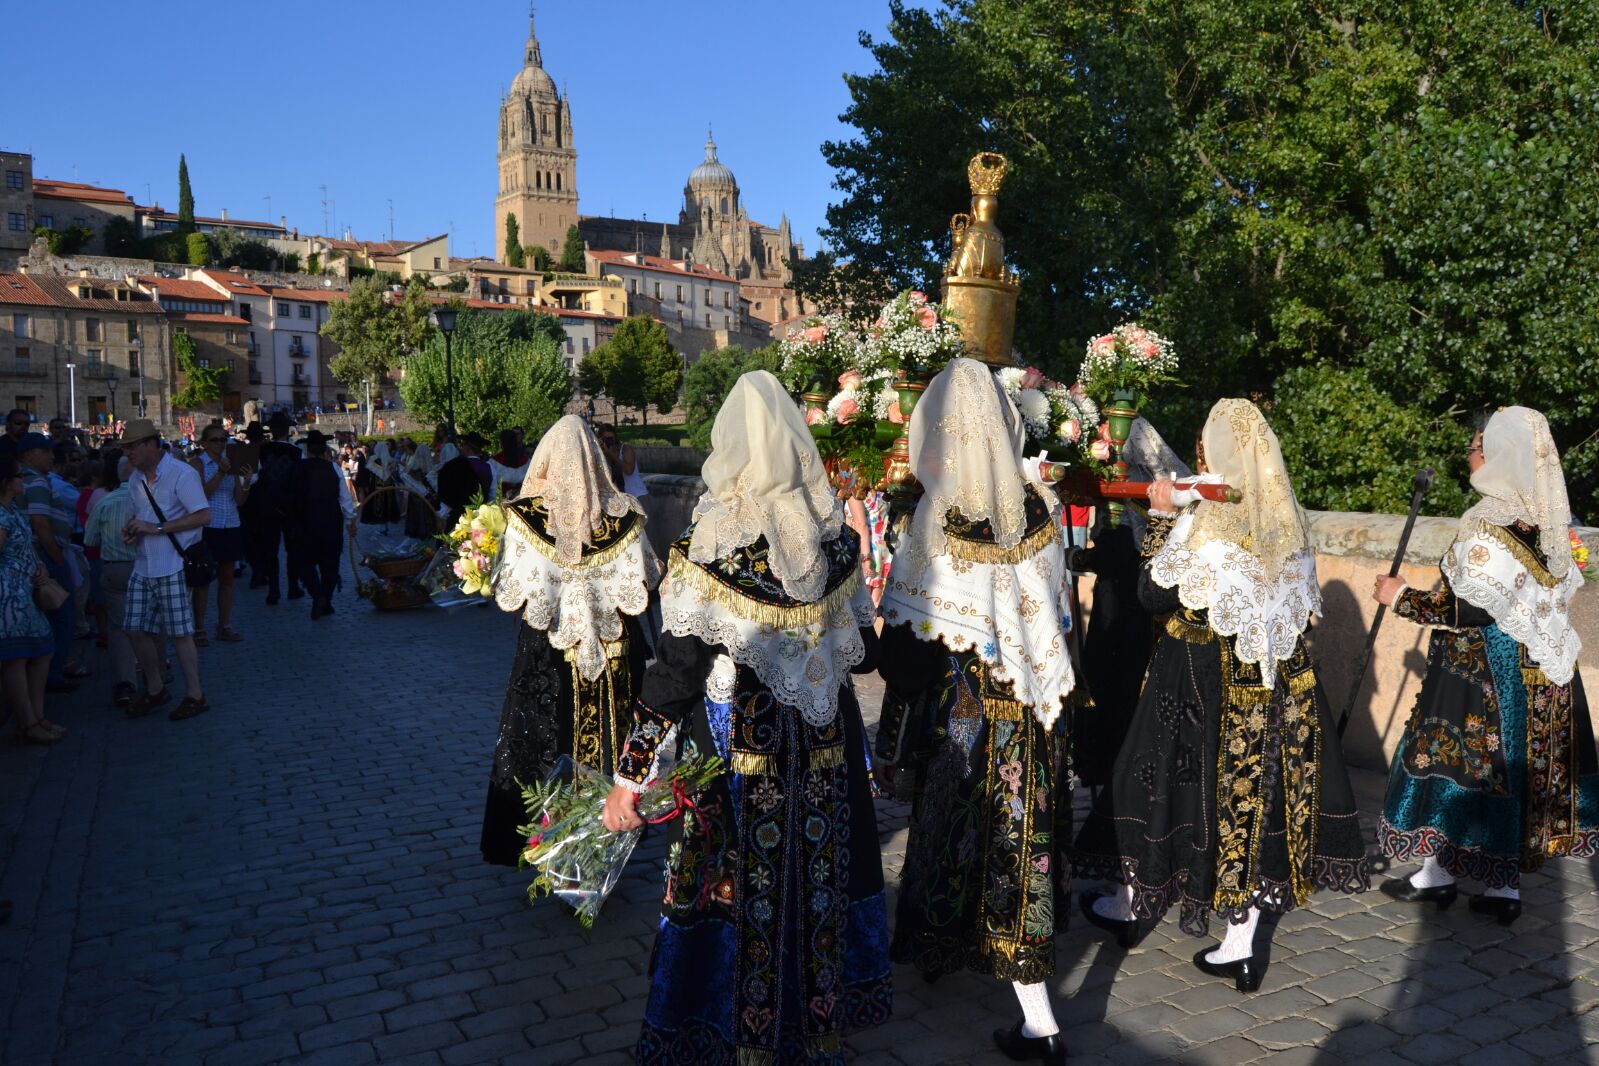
x=1351, y=550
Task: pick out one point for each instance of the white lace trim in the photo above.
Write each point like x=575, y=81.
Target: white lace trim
x=721, y=682
x=1015, y=615
x=578, y=606
x=1486, y=574
x=1264, y=614
x=803, y=666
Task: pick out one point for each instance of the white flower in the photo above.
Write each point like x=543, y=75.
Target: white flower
x=882, y=399
x=836, y=402
x=1011, y=377
x=1035, y=408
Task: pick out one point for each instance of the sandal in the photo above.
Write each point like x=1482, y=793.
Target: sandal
x=149, y=702
x=188, y=707
x=229, y=636
x=38, y=734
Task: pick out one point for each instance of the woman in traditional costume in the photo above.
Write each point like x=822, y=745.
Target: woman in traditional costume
x=773, y=939
x=977, y=668
x=1496, y=770
x=577, y=565
x=378, y=473
x=1229, y=795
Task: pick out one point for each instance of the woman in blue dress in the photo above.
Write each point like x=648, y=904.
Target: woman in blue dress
x=1497, y=770
x=25, y=640
x=773, y=939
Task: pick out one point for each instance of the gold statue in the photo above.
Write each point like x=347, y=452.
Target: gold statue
x=976, y=284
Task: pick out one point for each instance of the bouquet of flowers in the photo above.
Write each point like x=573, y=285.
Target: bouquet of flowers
x=1579, y=555
x=1128, y=359
x=819, y=348
x=476, y=541
x=1059, y=419
x=578, y=860
x=912, y=334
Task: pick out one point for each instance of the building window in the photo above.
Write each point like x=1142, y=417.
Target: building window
x=23, y=357
x=202, y=362
x=707, y=297
x=91, y=329
x=13, y=179
x=657, y=290
x=632, y=286
x=585, y=346
x=19, y=325
x=727, y=321
x=435, y=262
x=17, y=220
x=25, y=403
x=80, y=221
x=133, y=329
x=727, y=299
x=707, y=320
x=91, y=357
x=305, y=310
x=283, y=309
x=680, y=294
x=724, y=205
x=47, y=221
x=569, y=348
x=133, y=363
x=233, y=338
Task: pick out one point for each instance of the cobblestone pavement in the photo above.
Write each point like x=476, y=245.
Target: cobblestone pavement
x=295, y=877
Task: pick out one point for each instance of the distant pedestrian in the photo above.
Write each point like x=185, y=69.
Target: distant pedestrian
x=279, y=459
x=52, y=536
x=319, y=508
x=26, y=642
x=226, y=491
x=169, y=510
x=103, y=532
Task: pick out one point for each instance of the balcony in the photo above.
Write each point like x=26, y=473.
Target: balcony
x=300, y=378
x=297, y=351
x=28, y=369
x=255, y=376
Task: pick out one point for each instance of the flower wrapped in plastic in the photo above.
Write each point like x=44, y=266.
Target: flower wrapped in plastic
x=476, y=541
x=578, y=860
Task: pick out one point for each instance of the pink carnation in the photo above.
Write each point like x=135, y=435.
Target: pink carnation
x=894, y=415
x=849, y=379
x=928, y=318
x=815, y=335
x=459, y=567
x=1032, y=377
x=1149, y=349
x=1100, y=450
x=1105, y=345
x=815, y=415
x=1077, y=391
x=848, y=410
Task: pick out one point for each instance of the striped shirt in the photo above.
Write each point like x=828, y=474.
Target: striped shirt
x=224, y=511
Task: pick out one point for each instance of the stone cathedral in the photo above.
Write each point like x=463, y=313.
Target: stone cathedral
x=538, y=164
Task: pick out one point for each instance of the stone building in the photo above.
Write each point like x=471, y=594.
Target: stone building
x=537, y=160
x=16, y=202
x=115, y=336
x=221, y=336
x=61, y=205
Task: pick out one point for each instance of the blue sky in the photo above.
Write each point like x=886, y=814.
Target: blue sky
x=399, y=101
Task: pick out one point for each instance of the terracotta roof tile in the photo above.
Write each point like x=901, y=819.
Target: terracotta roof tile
x=21, y=289
x=654, y=262
x=179, y=289
x=306, y=295
x=191, y=316
x=74, y=190
x=235, y=283
x=42, y=290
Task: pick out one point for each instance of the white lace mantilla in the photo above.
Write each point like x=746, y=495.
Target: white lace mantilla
x=804, y=666
x=1015, y=615
x=1265, y=614
x=1487, y=573
x=577, y=606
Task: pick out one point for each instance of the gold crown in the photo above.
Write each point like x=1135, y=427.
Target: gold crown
x=986, y=172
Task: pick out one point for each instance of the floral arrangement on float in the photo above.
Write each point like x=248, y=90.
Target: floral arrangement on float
x=1062, y=422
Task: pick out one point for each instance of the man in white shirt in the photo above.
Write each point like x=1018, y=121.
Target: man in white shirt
x=167, y=504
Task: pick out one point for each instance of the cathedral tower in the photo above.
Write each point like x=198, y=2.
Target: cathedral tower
x=538, y=164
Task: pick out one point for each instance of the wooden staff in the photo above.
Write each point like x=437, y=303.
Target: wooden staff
x=1423, y=483
x=1053, y=473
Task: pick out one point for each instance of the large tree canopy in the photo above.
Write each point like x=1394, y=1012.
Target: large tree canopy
x=508, y=371
x=1396, y=195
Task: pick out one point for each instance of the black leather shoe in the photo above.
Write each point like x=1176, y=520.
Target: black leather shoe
x=1401, y=889
x=1125, y=933
x=1506, y=910
x=1246, y=974
x=295, y=594
x=1019, y=1048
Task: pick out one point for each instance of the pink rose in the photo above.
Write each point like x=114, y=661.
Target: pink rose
x=815, y=335
x=1100, y=450
x=1078, y=391
x=1072, y=430
x=849, y=379
x=918, y=297
x=848, y=410
x=928, y=318
x=894, y=415
x=814, y=416
x=1104, y=432
x=1149, y=349
x=1105, y=345
x=1032, y=377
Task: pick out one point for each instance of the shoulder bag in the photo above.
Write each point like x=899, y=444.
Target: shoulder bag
x=199, y=566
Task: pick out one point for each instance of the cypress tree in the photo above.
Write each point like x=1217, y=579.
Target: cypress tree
x=185, y=197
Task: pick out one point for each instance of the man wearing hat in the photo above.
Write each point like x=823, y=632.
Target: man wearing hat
x=319, y=509
x=169, y=508
x=52, y=536
x=279, y=461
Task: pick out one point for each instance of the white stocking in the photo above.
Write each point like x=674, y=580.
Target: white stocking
x=1431, y=875
x=1117, y=907
x=1239, y=943
x=1510, y=891
x=1038, y=1017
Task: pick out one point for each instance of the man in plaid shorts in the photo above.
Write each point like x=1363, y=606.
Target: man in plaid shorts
x=167, y=504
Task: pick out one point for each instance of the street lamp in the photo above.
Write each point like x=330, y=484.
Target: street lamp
x=72, y=393
x=111, y=382
x=444, y=319
x=138, y=357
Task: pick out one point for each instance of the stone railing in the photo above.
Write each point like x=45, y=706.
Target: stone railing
x=1351, y=550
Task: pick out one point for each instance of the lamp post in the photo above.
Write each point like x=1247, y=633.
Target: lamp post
x=444, y=319
x=138, y=357
x=111, y=382
x=72, y=393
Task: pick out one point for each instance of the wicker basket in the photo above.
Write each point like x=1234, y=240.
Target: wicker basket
x=400, y=599
x=408, y=594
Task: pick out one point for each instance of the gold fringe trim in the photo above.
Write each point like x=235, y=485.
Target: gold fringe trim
x=767, y=614
x=1523, y=555
x=1189, y=632
x=1248, y=695
x=614, y=649
x=828, y=758
x=1300, y=684
x=595, y=558
x=754, y=764
x=752, y=1056
x=1533, y=676
x=820, y=1046
x=979, y=551
x=1005, y=710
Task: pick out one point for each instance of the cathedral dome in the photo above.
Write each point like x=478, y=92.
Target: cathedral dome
x=712, y=171
x=533, y=81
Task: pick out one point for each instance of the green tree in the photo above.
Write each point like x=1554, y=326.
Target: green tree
x=120, y=237
x=538, y=257
x=708, y=381
x=185, y=197
x=235, y=249
x=1404, y=191
x=505, y=374
x=514, y=256
x=599, y=374
x=637, y=368
x=375, y=332
x=198, y=246
x=69, y=241
x=201, y=384
x=572, y=252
